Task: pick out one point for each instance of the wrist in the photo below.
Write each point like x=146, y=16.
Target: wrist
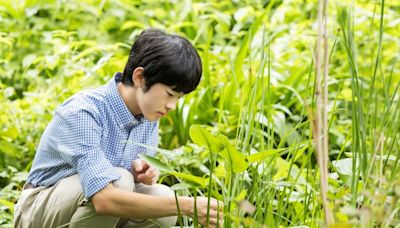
x=186, y=205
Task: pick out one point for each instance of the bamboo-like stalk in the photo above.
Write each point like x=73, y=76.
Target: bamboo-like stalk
x=321, y=122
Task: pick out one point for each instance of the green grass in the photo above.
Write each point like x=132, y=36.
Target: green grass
x=245, y=135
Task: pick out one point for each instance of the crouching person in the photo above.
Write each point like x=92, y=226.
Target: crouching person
x=86, y=171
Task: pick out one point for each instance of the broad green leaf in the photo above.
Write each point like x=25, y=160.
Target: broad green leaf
x=260, y=156
x=220, y=170
x=160, y=150
x=233, y=157
x=201, y=136
x=11, y=132
x=28, y=60
x=299, y=151
x=162, y=167
x=155, y=163
x=132, y=25
x=241, y=195
x=88, y=51
x=344, y=166
x=9, y=149
x=8, y=204
x=188, y=177
x=186, y=9
x=282, y=167
x=346, y=94
x=4, y=41
x=179, y=26
x=181, y=186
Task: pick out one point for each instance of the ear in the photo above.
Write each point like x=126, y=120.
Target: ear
x=137, y=77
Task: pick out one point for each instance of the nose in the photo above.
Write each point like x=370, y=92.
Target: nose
x=171, y=104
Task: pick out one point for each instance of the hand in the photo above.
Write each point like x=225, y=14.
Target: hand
x=216, y=212
x=144, y=173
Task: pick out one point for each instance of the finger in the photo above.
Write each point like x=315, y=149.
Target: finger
x=221, y=216
x=153, y=172
x=150, y=171
x=220, y=204
x=157, y=172
x=217, y=205
x=145, y=165
x=143, y=178
x=137, y=164
x=215, y=221
x=212, y=223
x=214, y=213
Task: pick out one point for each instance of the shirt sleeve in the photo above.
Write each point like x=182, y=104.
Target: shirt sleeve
x=79, y=146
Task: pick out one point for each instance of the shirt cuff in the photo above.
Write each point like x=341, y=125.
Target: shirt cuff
x=95, y=177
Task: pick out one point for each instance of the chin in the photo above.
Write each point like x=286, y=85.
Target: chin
x=152, y=118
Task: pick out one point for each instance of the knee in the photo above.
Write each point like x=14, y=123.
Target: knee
x=162, y=190
x=126, y=182
x=166, y=221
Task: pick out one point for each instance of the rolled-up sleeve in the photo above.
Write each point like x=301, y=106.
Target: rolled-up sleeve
x=80, y=147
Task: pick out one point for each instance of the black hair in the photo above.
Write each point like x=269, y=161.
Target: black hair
x=167, y=59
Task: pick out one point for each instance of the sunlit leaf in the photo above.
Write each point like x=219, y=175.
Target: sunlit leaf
x=282, y=169
x=11, y=132
x=260, y=156
x=132, y=25
x=344, y=166
x=201, y=136
x=9, y=149
x=155, y=163
x=233, y=157
x=188, y=177
x=162, y=167
x=241, y=195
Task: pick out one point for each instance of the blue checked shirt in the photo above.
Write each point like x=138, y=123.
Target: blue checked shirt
x=88, y=136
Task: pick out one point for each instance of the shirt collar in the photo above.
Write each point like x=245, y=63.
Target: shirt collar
x=124, y=117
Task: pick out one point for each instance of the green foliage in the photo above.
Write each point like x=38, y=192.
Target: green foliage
x=11, y=181
x=244, y=136
x=162, y=167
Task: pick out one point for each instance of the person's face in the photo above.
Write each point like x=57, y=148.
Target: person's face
x=157, y=101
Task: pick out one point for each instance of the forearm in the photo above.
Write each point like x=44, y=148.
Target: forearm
x=120, y=203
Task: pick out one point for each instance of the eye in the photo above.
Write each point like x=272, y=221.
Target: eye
x=169, y=94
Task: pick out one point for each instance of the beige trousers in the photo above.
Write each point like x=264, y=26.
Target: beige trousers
x=64, y=205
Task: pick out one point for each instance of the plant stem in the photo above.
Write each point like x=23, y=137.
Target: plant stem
x=321, y=121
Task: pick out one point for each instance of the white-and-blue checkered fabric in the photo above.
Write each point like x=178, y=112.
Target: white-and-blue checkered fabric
x=88, y=136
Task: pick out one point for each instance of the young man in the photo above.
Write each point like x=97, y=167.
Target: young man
x=87, y=174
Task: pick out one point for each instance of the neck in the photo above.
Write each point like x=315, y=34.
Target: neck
x=128, y=94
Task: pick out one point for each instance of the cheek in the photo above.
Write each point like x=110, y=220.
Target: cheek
x=152, y=102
